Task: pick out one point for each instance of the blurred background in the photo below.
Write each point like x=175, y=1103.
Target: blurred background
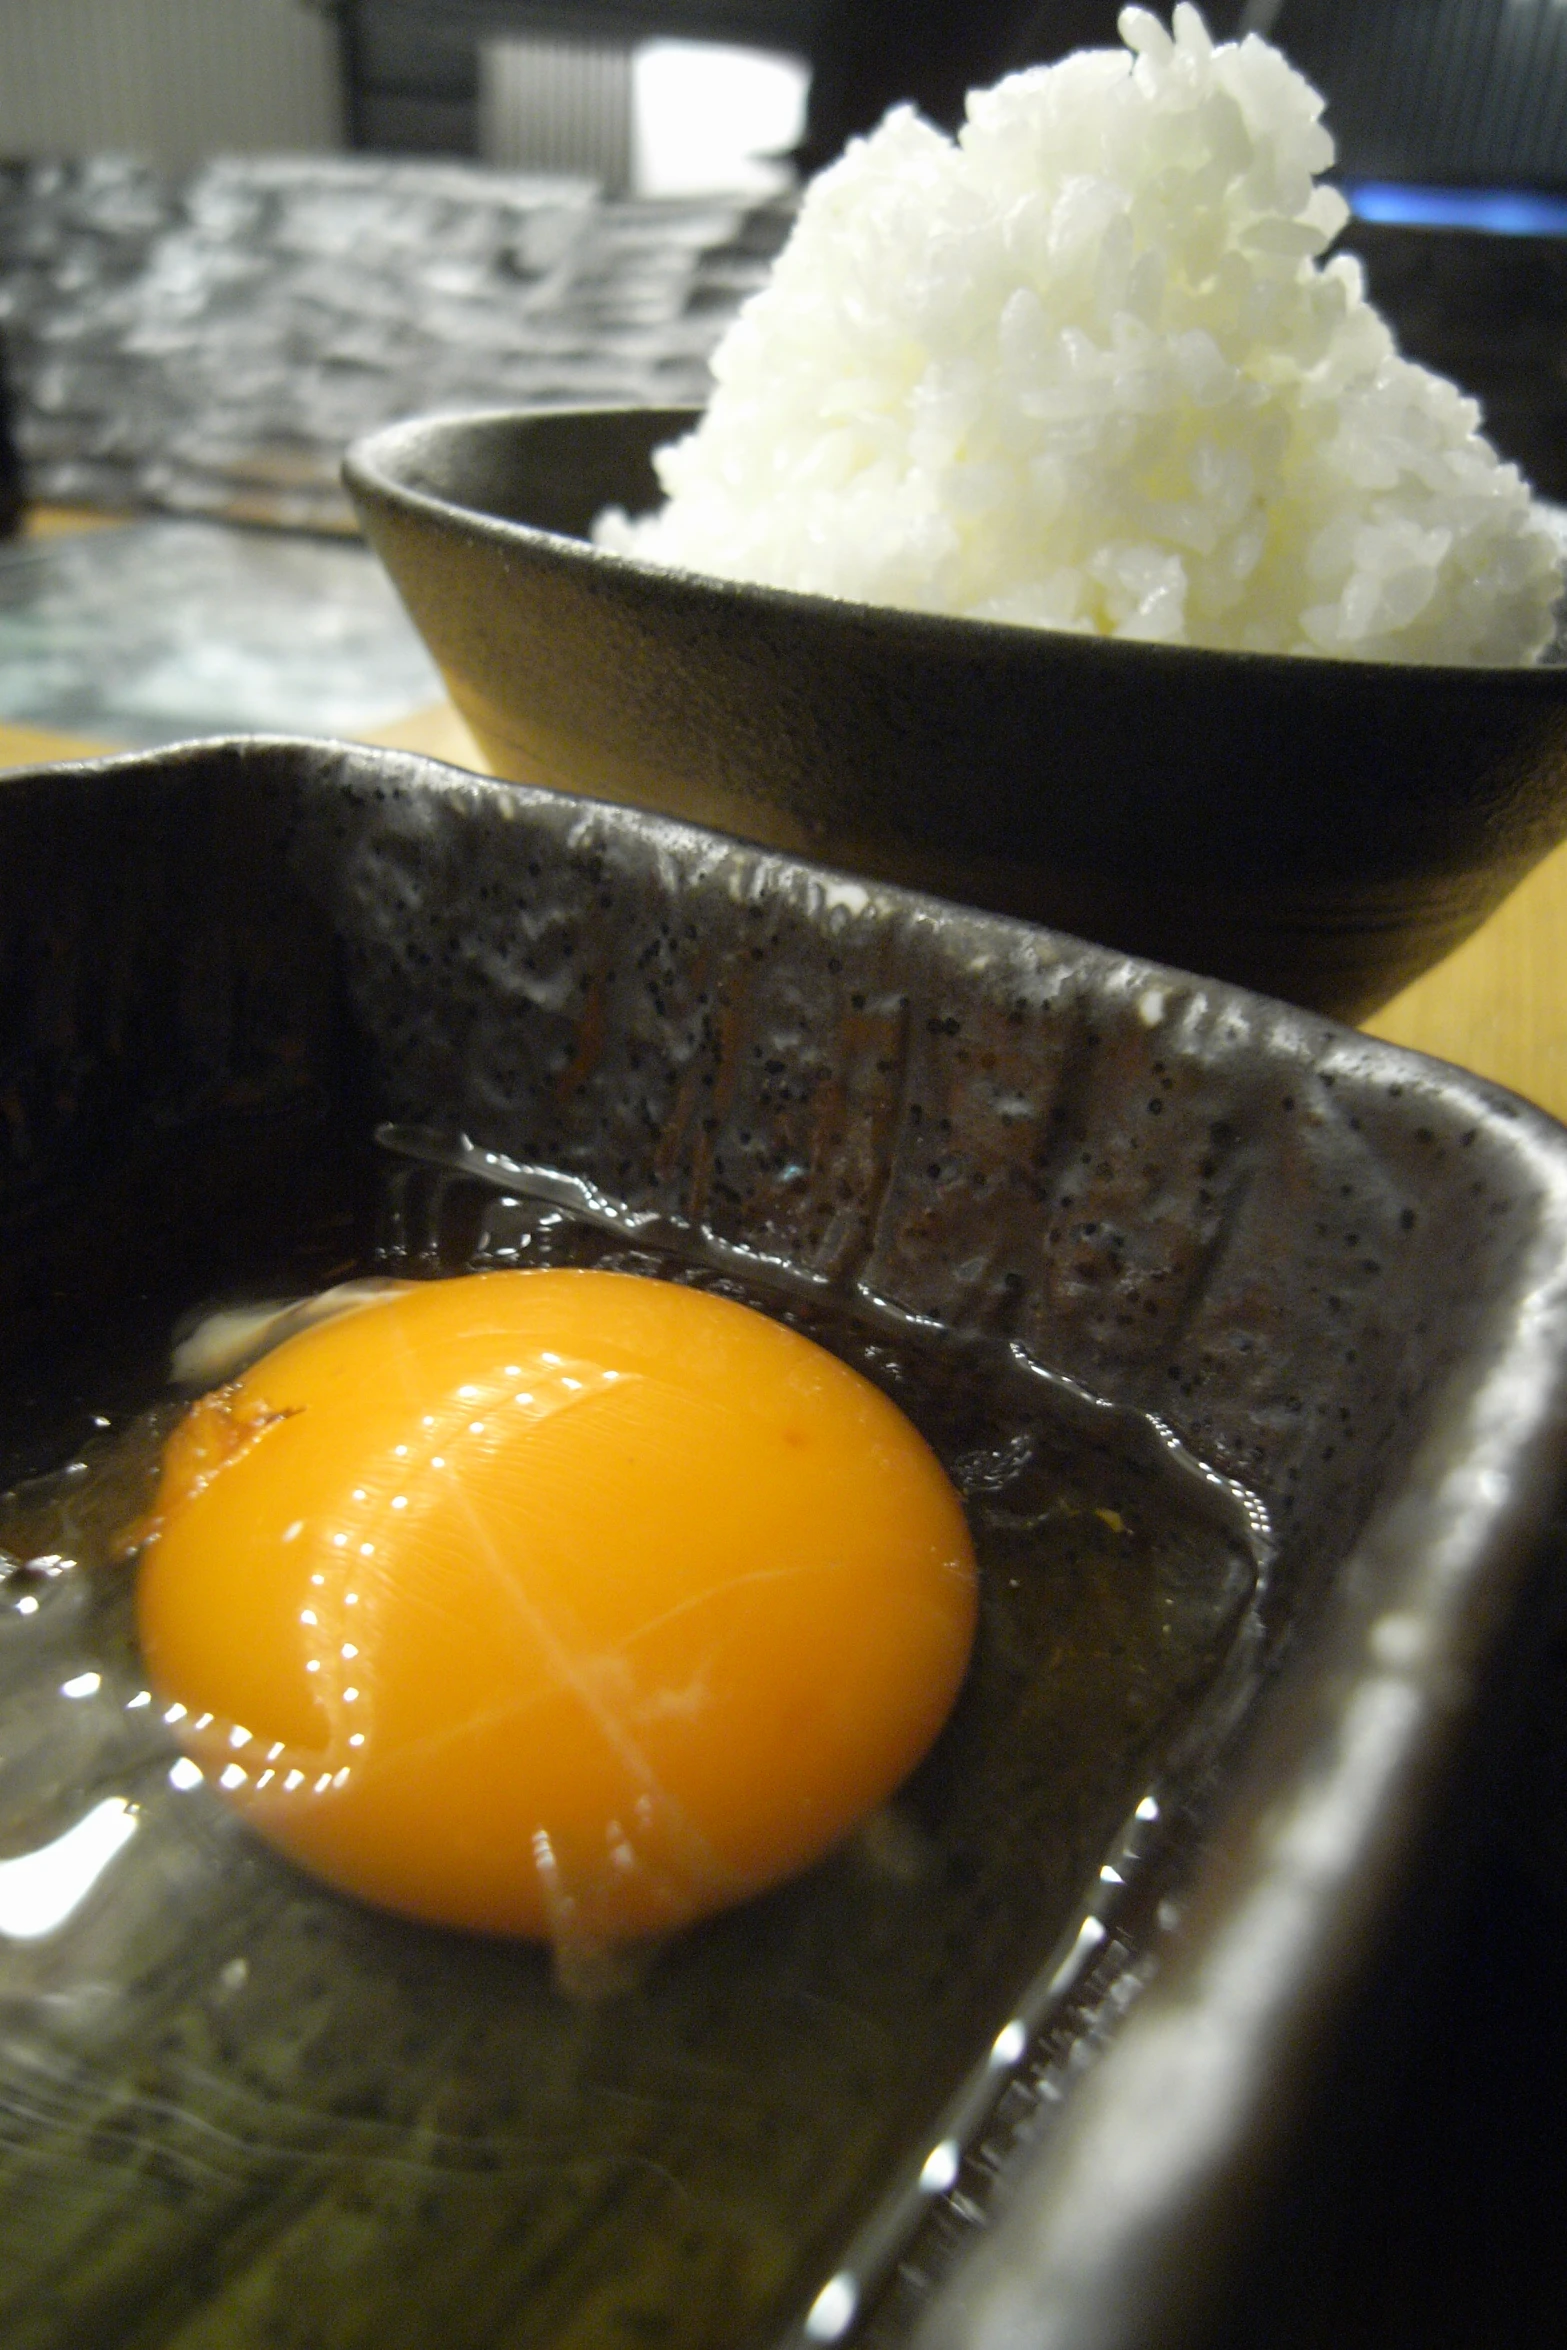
x=236, y=233
x=233, y=233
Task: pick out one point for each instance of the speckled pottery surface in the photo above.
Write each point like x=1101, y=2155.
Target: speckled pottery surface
x=1322, y=830
x=1082, y=1990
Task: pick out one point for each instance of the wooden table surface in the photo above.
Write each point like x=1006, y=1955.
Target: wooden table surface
x=1498, y=1006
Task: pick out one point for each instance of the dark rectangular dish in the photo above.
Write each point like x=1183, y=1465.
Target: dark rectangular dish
x=1014, y=2073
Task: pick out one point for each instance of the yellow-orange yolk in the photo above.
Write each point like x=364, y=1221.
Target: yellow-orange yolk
x=566, y=1604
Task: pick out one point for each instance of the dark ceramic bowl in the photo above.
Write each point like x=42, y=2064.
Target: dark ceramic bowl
x=1127, y=1242
x=1322, y=830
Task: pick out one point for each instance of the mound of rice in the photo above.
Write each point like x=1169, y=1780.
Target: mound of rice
x=1082, y=368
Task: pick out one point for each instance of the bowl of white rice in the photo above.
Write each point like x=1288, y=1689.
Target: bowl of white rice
x=1065, y=535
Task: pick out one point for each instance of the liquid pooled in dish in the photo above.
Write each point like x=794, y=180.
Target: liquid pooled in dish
x=568, y=1604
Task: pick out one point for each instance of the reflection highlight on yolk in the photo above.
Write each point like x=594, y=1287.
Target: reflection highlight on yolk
x=567, y=1604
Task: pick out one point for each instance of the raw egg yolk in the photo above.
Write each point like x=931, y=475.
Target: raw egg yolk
x=566, y=1604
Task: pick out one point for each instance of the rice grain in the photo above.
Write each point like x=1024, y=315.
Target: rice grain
x=1085, y=368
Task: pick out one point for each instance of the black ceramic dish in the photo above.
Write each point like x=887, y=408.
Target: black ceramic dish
x=1168, y=1824
x=1323, y=830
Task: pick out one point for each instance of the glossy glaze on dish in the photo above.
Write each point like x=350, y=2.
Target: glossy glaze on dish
x=1332, y=1271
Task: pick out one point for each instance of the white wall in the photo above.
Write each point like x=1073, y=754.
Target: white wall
x=707, y=116
x=662, y=118
x=170, y=79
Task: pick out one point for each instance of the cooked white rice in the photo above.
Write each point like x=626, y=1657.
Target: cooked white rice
x=1082, y=368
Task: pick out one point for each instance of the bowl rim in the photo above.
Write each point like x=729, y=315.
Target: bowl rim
x=1311, y=1834
x=373, y=471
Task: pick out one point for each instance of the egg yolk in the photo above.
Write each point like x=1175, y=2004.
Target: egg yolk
x=566, y=1604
